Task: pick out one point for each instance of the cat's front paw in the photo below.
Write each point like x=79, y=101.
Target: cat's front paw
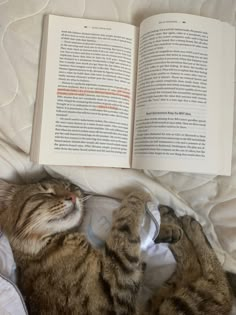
x=191, y=226
x=139, y=195
x=169, y=233
x=137, y=198
x=194, y=231
x=74, y=240
x=136, y=201
x=171, y=228
x=168, y=215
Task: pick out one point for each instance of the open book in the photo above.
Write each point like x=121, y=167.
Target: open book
x=155, y=97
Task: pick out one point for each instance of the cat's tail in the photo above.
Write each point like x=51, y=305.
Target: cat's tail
x=232, y=281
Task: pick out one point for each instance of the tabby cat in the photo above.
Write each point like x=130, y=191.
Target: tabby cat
x=59, y=272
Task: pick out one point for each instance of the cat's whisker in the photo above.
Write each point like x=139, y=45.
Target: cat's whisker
x=86, y=197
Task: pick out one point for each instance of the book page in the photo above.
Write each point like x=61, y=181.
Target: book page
x=88, y=93
x=185, y=91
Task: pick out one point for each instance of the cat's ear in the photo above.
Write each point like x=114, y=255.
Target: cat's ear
x=6, y=192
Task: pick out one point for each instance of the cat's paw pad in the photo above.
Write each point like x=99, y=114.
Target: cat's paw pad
x=169, y=234
x=166, y=210
x=143, y=266
x=168, y=215
x=177, y=234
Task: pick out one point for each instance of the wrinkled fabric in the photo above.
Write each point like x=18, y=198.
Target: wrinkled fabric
x=211, y=199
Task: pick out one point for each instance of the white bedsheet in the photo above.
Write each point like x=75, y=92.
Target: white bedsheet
x=211, y=199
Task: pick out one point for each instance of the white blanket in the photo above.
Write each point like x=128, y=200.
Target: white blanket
x=212, y=200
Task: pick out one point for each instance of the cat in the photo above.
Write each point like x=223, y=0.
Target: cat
x=59, y=272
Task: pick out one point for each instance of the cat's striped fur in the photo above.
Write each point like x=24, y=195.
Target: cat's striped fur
x=199, y=285
x=60, y=273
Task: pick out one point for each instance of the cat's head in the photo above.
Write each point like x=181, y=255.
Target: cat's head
x=30, y=214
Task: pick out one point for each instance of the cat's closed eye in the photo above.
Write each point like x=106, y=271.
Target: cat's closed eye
x=52, y=193
x=47, y=190
x=74, y=187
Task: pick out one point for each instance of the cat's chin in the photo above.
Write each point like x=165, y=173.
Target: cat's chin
x=70, y=220
x=69, y=213
x=74, y=217
x=73, y=222
x=75, y=214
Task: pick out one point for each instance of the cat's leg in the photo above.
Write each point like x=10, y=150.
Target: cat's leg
x=213, y=281
x=172, y=232
x=170, y=228
x=122, y=269
x=206, y=255
x=208, y=293
x=187, y=266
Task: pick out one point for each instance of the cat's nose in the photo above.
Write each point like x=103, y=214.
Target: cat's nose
x=71, y=197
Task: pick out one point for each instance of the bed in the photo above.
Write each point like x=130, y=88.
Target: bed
x=211, y=199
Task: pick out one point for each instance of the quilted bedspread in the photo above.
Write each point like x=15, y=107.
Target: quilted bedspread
x=211, y=199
